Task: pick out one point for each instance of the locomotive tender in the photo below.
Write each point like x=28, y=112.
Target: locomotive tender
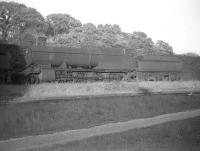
x=64, y=64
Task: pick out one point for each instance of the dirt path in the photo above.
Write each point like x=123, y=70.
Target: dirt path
x=33, y=142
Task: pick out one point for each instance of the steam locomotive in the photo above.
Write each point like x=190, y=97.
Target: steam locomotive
x=63, y=64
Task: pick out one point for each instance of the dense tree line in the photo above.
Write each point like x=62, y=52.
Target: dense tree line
x=19, y=23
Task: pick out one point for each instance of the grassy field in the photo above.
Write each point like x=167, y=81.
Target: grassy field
x=24, y=93
x=41, y=117
x=174, y=136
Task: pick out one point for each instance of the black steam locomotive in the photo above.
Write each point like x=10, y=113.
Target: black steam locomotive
x=63, y=64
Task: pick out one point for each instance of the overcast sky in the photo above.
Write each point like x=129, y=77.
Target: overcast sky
x=174, y=21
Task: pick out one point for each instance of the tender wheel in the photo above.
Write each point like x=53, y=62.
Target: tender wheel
x=32, y=79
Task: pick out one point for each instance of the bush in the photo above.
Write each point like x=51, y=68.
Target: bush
x=16, y=57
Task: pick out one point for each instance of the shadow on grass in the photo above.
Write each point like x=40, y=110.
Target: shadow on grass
x=144, y=91
x=9, y=92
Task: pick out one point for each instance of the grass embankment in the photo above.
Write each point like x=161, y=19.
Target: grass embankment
x=22, y=93
x=174, y=136
x=42, y=117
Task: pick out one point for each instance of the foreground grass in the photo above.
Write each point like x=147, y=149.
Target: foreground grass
x=43, y=117
x=22, y=93
x=173, y=136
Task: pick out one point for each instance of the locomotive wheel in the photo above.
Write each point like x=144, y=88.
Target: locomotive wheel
x=32, y=79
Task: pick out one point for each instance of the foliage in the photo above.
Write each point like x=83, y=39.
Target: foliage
x=140, y=43
x=16, y=19
x=16, y=59
x=90, y=35
x=19, y=23
x=112, y=36
x=163, y=47
x=192, y=54
x=108, y=34
x=60, y=24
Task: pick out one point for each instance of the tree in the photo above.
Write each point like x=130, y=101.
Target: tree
x=192, y=54
x=163, y=47
x=139, y=35
x=77, y=37
x=83, y=36
x=107, y=28
x=15, y=59
x=61, y=24
x=16, y=18
x=70, y=40
x=140, y=43
x=111, y=36
x=88, y=35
